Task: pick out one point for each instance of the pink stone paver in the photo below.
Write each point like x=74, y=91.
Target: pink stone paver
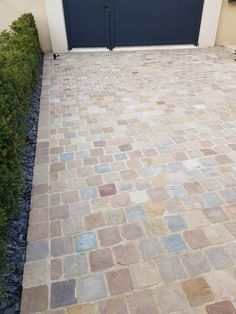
x=134, y=203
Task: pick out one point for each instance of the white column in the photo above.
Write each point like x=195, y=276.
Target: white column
x=209, y=23
x=57, y=27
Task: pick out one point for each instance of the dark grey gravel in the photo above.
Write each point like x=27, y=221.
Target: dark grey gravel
x=17, y=231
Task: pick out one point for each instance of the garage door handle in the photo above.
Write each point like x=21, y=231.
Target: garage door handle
x=107, y=7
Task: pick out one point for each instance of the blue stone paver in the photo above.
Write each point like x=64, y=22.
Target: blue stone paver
x=66, y=156
x=135, y=213
x=70, y=135
x=86, y=241
x=103, y=168
x=175, y=223
x=211, y=199
x=176, y=191
x=174, y=243
x=121, y=156
x=88, y=193
x=207, y=162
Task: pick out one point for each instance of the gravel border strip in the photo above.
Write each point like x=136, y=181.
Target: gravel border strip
x=17, y=230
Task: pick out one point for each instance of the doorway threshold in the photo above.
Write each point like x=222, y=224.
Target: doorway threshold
x=89, y=50
x=135, y=48
x=161, y=47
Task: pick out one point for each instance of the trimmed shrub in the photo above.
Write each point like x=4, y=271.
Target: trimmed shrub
x=20, y=58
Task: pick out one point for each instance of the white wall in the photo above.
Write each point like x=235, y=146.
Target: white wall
x=56, y=22
x=227, y=25
x=10, y=10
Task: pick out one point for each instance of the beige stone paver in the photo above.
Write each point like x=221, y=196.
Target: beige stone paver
x=134, y=196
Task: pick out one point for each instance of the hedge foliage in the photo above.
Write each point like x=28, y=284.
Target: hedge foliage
x=20, y=58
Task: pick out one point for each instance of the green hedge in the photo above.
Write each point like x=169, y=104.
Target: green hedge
x=20, y=58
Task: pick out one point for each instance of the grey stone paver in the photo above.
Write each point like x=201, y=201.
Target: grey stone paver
x=134, y=192
x=75, y=265
x=92, y=288
x=37, y=250
x=171, y=269
x=150, y=248
x=63, y=293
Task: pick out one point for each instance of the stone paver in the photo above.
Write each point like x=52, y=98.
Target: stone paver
x=171, y=299
x=134, y=205
x=63, y=293
x=222, y=283
x=221, y=307
x=120, y=281
x=75, y=265
x=197, y=291
x=34, y=299
x=142, y=302
x=145, y=274
x=101, y=259
x=91, y=288
x=171, y=269
x=113, y=306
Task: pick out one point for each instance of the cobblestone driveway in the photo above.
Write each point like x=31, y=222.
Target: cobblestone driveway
x=134, y=198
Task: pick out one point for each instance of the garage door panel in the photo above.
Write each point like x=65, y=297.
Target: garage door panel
x=156, y=21
x=110, y=23
x=87, y=23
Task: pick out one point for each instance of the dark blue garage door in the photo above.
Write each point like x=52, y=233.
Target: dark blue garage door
x=111, y=23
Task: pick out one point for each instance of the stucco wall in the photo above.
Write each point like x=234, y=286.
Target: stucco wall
x=227, y=25
x=12, y=9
